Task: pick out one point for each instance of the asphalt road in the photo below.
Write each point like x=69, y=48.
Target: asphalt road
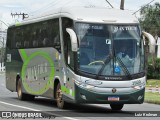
x=9, y=102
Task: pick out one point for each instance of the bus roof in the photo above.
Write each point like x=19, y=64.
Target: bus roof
x=87, y=14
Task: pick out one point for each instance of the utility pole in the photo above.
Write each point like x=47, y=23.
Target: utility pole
x=122, y=4
x=23, y=15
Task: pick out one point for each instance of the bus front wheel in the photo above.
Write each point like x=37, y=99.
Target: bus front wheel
x=59, y=98
x=116, y=106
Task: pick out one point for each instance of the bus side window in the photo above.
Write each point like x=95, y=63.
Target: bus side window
x=18, y=38
x=45, y=41
x=55, y=35
x=9, y=38
x=35, y=42
x=69, y=56
x=26, y=36
x=42, y=34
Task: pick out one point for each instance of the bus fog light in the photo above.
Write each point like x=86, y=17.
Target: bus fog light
x=83, y=97
x=140, y=97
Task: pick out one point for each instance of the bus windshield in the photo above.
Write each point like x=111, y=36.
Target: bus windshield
x=109, y=50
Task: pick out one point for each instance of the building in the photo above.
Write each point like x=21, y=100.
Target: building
x=3, y=36
x=158, y=47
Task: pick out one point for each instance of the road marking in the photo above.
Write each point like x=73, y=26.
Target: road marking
x=69, y=118
x=19, y=106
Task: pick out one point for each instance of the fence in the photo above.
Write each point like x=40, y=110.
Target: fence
x=2, y=67
x=155, y=89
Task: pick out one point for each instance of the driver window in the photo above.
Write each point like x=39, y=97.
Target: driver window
x=85, y=47
x=68, y=53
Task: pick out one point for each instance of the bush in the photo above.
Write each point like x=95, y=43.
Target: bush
x=154, y=72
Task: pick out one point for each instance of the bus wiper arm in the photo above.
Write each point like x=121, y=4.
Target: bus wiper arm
x=124, y=67
x=106, y=61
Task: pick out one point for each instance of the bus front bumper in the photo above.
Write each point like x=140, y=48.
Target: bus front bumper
x=85, y=96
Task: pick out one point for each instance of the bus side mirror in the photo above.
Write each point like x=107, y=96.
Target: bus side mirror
x=151, y=41
x=73, y=38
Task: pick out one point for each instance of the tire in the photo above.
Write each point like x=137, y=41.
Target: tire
x=116, y=106
x=59, y=98
x=21, y=95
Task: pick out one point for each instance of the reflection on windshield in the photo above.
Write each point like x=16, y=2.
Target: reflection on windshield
x=128, y=47
x=97, y=42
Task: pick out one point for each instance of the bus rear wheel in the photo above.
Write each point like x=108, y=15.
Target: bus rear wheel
x=59, y=98
x=21, y=95
x=116, y=106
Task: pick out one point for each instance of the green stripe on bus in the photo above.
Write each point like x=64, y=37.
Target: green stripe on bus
x=24, y=67
x=18, y=24
x=67, y=90
x=73, y=93
x=23, y=53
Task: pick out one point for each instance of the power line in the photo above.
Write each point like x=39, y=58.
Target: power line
x=46, y=7
x=68, y=2
x=55, y=2
x=4, y=23
x=143, y=7
x=109, y=3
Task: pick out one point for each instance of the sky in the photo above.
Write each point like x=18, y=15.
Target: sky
x=33, y=7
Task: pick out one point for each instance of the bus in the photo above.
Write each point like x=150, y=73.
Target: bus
x=83, y=55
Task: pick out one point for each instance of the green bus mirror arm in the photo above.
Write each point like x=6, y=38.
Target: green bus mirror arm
x=73, y=38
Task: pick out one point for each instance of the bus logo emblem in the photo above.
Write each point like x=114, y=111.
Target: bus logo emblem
x=114, y=90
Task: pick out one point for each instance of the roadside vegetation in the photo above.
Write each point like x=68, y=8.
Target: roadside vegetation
x=153, y=83
x=151, y=97
x=154, y=71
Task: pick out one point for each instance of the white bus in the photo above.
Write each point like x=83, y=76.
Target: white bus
x=79, y=55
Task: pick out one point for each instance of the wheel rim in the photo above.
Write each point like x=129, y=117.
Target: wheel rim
x=59, y=97
x=19, y=89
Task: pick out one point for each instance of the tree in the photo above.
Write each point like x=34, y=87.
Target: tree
x=150, y=19
x=150, y=22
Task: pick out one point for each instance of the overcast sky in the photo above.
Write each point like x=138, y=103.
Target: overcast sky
x=38, y=6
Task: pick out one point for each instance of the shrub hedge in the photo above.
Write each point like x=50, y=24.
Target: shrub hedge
x=154, y=72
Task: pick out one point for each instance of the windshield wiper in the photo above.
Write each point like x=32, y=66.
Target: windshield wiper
x=106, y=61
x=124, y=68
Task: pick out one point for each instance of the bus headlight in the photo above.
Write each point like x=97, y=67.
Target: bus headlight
x=89, y=86
x=138, y=87
x=78, y=82
x=93, y=82
x=84, y=84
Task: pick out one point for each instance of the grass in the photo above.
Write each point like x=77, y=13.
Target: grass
x=153, y=83
x=152, y=98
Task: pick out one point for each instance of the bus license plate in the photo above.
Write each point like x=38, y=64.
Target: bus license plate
x=113, y=98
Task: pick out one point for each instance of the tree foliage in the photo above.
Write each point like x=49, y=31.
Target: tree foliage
x=150, y=19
